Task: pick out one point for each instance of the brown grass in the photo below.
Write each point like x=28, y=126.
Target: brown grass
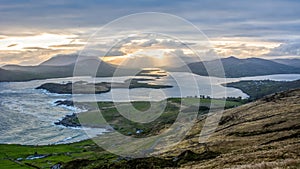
x=263, y=134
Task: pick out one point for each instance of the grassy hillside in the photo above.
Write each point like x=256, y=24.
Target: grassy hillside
x=262, y=134
x=161, y=120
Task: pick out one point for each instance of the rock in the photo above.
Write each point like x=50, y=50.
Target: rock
x=64, y=102
x=36, y=156
x=56, y=166
x=139, y=131
x=69, y=121
x=19, y=159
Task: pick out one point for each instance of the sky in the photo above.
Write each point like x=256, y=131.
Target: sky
x=33, y=31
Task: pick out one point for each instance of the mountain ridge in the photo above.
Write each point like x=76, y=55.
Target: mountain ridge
x=61, y=66
x=87, y=66
x=289, y=62
x=234, y=67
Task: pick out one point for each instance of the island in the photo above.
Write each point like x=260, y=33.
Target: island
x=144, y=79
x=82, y=87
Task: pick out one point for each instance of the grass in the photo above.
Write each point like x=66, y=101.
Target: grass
x=273, y=142
x=9, y=153
x=88, y=150
x=150, y=117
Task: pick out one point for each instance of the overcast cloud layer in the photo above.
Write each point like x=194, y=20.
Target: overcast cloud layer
x=246, y=22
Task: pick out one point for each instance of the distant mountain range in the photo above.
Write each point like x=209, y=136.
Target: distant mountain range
x=290, y=62
x=234, y=67
x=63, y=66
x=7, y=75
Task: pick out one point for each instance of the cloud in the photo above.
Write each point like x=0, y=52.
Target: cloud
x=67, y=46
x=30, y=56
x=164, y=43
x=12, y=45
x=35, y=48
x=270, y=20
x=231, y=18
x=175, y=43
x=149, y=43
x=114, y=52
x=286, y=49
x=241, y=50
x=179, y=58
x=177, y=52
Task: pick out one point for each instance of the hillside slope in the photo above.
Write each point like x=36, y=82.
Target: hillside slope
x=259, y=135
x=262, y=134
x=290, y=62
x=8, y=75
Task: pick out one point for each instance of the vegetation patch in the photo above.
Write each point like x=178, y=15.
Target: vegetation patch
x=257, y=89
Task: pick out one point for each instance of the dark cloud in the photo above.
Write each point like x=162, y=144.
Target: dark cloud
x=269, y=20
x=175, y=43
x=149, y=43
x=12, y=45
x=35, y=48
x=66, y=46
x=215, y=17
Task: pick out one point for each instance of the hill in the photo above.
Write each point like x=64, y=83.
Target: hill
x=234, y=67
x=63, y=66
x=7, y=75
x=60, y=60
x=262, y=134
x=290, y=62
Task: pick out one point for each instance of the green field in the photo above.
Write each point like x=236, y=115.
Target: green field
x=149, y=117
x=14, y=156
x=9, y=154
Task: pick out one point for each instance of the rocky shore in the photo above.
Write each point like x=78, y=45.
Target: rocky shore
x=72, y=120
x=64, y=102
x=69, y=121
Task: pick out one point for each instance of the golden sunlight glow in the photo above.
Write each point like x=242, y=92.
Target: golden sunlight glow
x=30, y=42
x=32, y=50
x=151, y=53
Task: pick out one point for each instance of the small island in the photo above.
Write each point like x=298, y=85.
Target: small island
x=83, y=87
x=80, y=87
